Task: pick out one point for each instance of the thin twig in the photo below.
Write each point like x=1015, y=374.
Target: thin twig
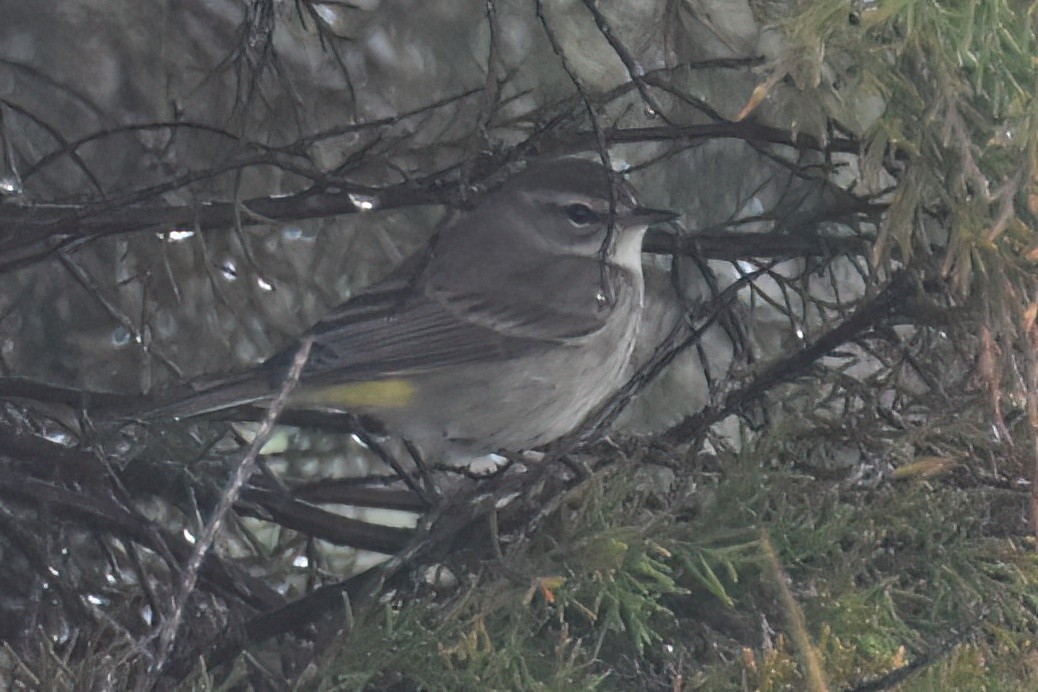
x=167, y=633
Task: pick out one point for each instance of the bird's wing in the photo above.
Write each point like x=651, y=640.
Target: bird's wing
x=394, y=332
x=386, y=331
x=396, y=327
x=559, y=300
x=401, y=326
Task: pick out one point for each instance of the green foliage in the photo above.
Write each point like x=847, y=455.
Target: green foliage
x=627, y=587
x=959, y=128
x=467, y=648
x=544, y=617
x=903, y=572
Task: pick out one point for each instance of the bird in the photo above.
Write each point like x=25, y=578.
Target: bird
x=505, y=334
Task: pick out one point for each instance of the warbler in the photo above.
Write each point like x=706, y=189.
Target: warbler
x=516, y=323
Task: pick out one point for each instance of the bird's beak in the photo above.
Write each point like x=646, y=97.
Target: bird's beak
x=649, y=217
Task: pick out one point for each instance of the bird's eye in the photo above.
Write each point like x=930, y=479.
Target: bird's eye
x=581, y=214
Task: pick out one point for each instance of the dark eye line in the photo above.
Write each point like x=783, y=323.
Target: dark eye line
x=581, y=214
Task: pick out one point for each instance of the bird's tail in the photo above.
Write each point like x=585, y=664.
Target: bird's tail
x=198, y=398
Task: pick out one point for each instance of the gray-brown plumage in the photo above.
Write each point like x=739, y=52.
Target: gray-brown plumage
x=519, y=321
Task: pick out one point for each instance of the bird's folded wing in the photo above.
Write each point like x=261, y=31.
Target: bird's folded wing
x=561, y=300
x=394, y=328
